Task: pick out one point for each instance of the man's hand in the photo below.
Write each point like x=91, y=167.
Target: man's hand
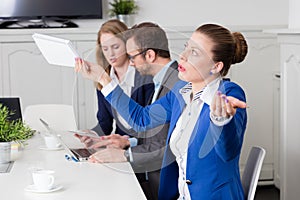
x=108, y=155
x=112, y=141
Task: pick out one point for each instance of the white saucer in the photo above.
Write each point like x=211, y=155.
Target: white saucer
x=31, y=188
x=51, y=149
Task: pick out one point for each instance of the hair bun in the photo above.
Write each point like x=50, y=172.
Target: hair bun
x=241, y=48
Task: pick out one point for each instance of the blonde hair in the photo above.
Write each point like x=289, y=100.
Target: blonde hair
x=115, y=27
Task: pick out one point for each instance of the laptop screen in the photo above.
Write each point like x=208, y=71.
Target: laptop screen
x=81, y=154
x=13, y=104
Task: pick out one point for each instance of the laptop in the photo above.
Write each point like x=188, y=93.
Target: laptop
x=80, y=154
x=13, y=104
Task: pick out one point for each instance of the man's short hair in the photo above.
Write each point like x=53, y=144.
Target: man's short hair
x=148, y=35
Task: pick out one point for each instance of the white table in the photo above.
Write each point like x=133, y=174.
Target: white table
x=79, y=180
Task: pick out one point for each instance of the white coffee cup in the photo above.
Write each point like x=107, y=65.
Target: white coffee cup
x=51, y=142
x=43, y=179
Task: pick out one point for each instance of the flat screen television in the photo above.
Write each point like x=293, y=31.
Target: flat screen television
x=21, y=10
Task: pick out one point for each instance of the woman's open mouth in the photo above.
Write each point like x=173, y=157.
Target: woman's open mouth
x=181, y=68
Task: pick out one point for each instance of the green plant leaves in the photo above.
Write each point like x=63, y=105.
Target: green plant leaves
x=14, y=130
x=123, y=7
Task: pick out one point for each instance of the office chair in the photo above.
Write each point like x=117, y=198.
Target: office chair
x=58, y=116
x=252, y=171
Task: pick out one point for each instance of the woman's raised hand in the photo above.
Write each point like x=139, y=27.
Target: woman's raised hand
x=89, y=70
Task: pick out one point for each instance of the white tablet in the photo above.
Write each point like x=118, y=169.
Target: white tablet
x=87, y=134
x=57, y=51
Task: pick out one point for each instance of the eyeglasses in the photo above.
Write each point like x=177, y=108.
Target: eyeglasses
x=131, y=58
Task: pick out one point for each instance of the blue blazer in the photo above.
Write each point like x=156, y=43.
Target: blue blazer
x=213, y=154
x=141, y=92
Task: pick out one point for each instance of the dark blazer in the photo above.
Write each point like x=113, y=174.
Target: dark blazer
x=141, y=93
x=148, y=154
x=212, y=173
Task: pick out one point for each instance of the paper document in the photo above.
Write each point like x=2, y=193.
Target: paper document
x=57, y=51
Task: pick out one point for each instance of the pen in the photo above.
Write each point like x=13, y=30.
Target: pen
x=74, y=159
x=68, y=157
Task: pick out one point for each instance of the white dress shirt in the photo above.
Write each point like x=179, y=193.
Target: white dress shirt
x=158, y=78
x=127, y=84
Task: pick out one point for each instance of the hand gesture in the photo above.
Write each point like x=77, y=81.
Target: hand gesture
x=112, y=141
x=225, y=106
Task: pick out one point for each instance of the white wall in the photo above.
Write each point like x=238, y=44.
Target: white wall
x=294, y=14
x=195, y=12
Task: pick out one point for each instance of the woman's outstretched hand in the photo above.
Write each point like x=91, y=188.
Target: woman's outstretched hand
x=225, y=106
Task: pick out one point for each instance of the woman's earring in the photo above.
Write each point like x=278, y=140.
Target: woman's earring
x=210, y=73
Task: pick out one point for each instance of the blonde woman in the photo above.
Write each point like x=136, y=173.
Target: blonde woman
x=111, y=54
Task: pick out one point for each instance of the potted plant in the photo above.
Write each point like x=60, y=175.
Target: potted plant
x=123, y=9
x=10, y=131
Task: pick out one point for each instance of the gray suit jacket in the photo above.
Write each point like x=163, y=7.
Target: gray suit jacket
x=148, y=154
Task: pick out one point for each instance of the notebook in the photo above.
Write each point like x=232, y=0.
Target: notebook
x=57, y=51
x=80, y=154
x=13, y=104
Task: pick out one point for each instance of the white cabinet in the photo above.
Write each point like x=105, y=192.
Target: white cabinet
x=290, y=127
x=87, y=98
x=276, y=125
x=25, y=73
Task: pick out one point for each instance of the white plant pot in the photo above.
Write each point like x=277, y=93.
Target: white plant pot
x=5, y=152
x=127, y=19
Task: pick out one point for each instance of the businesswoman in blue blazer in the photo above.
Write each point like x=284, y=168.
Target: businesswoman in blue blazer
x=111, y=54
x=207, y=116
